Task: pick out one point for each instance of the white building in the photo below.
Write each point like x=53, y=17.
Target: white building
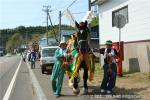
x=135, y=34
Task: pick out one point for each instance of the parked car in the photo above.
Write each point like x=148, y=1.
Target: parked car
x=47, y=59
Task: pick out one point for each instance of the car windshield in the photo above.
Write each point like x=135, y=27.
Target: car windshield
x=48, y=52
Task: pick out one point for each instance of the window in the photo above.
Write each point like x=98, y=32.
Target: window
x=122, y=11
x=48, y=52
x=94, y=35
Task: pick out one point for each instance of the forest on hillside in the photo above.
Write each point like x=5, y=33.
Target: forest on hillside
x=14, y=38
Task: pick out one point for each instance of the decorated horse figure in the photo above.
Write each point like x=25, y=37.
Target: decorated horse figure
x=82, y=58
x=71, y=46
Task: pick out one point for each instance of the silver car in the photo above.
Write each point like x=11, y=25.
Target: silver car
x=47, y=59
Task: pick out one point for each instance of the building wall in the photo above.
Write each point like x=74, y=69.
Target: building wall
x=137, y=54
x=136, y=29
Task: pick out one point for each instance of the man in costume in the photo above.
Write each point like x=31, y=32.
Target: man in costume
x=82, y=59
x=59, y=69
x=110, y=68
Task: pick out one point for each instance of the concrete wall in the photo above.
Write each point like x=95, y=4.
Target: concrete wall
x=136, y=56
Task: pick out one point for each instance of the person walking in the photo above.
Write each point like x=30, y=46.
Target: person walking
x=58, y=69
x=32, y=58
x=110, y=68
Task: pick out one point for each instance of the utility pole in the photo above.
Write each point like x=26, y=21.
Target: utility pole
x=89, y=25
x=26, y=38
x=60, y=35
x=47, y=13
x=0, y=39
x=89, y=5
x=53, y=28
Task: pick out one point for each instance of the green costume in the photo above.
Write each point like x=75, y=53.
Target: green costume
x=58, y=72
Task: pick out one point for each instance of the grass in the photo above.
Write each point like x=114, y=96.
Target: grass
x=135, y=76
x=98, y=75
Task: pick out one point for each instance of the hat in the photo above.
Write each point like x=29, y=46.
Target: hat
x=62, y=42
x=108, y=42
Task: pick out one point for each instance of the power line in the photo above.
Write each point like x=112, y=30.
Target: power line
x=71, y=4
x=66, y=8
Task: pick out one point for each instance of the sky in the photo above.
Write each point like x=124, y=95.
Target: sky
x=14, y=13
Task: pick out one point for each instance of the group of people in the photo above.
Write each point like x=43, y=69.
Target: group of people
x=31, y=57
x=110, y=68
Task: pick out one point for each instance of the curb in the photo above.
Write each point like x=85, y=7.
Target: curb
x=37, y=88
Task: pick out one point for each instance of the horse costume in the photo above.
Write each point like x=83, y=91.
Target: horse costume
x=83, y=58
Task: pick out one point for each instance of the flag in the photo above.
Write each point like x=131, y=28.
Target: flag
x=69, y=16
x=89, y=15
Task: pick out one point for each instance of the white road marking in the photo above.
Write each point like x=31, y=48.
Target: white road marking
x=1, y=69
x=39, y=92
x=10, y=87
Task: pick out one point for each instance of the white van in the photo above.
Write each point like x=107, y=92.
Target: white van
x=47, y=59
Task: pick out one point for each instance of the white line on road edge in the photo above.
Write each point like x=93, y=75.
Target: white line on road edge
x=11, y=85
x=39, y=93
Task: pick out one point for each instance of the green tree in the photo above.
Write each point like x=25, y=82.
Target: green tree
x=95, y=21
x=12, y=38
x=14, y=42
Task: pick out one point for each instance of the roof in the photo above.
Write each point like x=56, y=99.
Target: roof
x=99, y=2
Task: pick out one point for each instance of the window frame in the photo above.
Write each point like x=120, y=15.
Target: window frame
x=115, y=11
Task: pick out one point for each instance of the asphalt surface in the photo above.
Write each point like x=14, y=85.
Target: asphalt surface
x=8, y=66
x=22, y=89
x=67, y=93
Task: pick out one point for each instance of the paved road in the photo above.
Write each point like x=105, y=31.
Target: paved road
x=67, y=94
x=8, y=66
x=23, y=88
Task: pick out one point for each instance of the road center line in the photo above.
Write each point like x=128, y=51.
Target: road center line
x=10, y=87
